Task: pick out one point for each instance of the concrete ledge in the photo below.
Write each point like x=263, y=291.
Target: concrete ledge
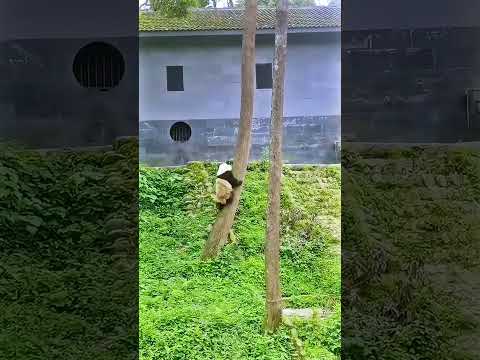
x=292, y=166
x=302, y=166
x=305, y=314
x=406, y=145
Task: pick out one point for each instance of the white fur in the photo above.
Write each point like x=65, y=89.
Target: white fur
x=223, y=168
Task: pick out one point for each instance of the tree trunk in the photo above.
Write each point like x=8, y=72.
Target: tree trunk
x=272, y=246
x=223, y=224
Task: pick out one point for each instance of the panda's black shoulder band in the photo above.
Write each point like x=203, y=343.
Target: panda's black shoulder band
x=236, y=182
x=230, y=178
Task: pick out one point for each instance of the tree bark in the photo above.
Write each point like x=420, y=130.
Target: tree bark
x=223, y=224
x=272, y=246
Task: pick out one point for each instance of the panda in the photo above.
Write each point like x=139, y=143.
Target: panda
x=224, y=184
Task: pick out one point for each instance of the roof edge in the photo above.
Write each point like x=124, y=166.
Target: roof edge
x=177, y=33
x=215, y=20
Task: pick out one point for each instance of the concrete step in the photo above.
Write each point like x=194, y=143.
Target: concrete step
x=305, y=314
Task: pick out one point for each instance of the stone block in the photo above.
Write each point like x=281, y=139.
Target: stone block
x=307, y=139
x=221, y=140
x=260, y=139
x=224, y=131
x=216, y=123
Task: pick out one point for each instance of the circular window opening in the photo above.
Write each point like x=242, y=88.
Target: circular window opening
x=99, y=65
x=180, y=132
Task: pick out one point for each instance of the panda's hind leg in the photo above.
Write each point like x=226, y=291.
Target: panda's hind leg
x=220, y=206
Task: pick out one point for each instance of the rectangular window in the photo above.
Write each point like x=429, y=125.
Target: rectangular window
x=174, y=78
x=264, y=76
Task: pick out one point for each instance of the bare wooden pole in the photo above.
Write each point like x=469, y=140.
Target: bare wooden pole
x=272, y=246
x=223, y=224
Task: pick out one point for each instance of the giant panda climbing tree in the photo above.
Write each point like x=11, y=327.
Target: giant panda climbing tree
x=223, y=224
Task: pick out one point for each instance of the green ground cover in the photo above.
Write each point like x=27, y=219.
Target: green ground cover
x=410, y=252
x=191, y=309
x=68, y=253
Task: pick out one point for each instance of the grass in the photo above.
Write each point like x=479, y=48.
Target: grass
x=191, y=309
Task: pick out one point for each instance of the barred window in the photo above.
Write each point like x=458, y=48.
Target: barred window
x=99, y=65
x=180, y=132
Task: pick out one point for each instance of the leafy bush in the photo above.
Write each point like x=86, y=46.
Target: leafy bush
x=406, y=224
x=161, y=191
x=176, y=8
x=67, y=233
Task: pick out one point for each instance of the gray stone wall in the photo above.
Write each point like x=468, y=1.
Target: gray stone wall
x=212, y=75
x=210, y=102
x=307, y=139
x=411, y=85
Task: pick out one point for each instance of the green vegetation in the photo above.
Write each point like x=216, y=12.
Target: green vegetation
x=176, y=8
x=410, y=235
x=191, y=309
x=67, y=258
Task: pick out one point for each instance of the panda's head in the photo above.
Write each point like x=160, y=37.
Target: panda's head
x=224, y=168
x=225, y=172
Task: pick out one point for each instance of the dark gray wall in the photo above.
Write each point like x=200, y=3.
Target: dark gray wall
x=393, y=93
x=307, y=139
x=211, y=100
x=43, y=106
